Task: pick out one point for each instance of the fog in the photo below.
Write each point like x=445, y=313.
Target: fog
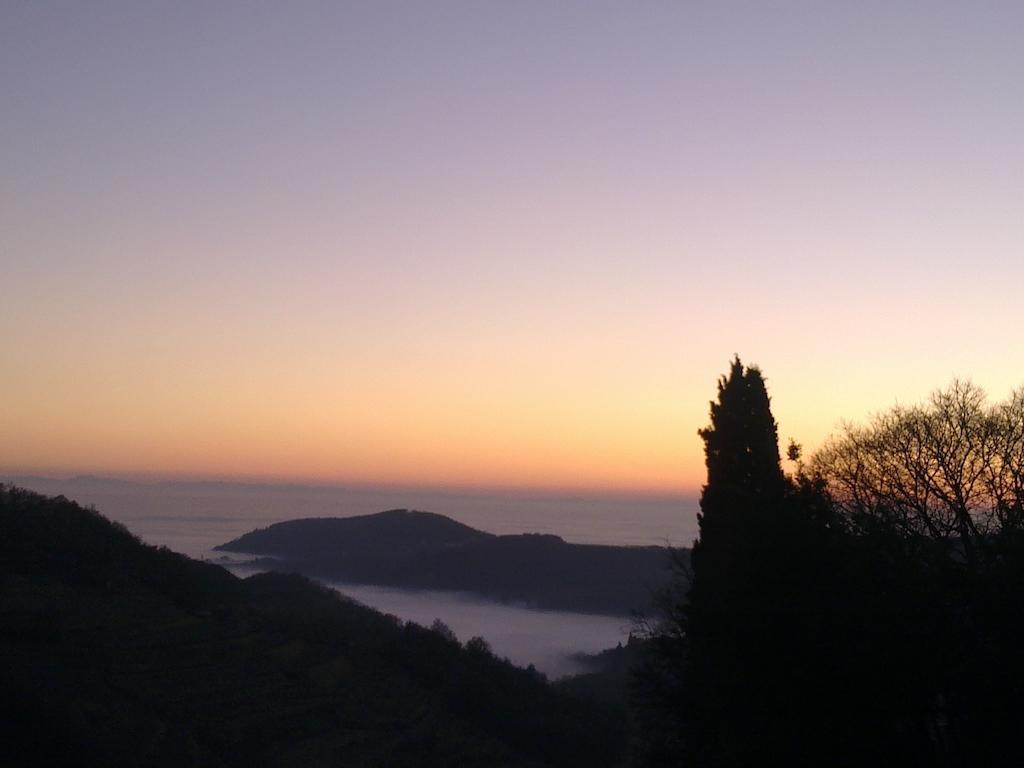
x=546, y=639
x=194, y=517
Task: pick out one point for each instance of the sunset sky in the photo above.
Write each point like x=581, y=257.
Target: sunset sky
x=483, y=244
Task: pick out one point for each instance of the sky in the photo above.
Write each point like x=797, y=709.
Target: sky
x=494, y=244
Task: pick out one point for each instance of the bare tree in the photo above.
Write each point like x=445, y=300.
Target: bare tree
x=1006, y=478
x=950, y=469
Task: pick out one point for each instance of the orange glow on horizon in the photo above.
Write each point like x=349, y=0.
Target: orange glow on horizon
x=398, y=250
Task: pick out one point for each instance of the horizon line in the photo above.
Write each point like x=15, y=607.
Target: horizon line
x=327, y=484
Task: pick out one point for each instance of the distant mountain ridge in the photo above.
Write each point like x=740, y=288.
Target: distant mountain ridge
x=318, y=536
x=424, y=550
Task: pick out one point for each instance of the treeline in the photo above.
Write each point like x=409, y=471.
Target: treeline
x=866, y=609
x=117, y=653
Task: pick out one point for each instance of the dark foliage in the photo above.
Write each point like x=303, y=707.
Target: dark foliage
x=814, y=632
x=753, y=678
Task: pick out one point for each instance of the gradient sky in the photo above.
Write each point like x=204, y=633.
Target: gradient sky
x=494, y=244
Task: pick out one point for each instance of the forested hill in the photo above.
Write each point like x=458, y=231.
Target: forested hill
x=421, y=550
x=117, y=653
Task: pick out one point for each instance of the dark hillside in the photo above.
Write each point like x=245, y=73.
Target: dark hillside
x=419, y=550
x=116, y=653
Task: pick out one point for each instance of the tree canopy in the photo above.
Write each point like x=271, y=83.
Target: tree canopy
x=951, y=469
x=866, y=610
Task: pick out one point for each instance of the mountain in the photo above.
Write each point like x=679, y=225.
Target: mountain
x=117, y=653
x=422, y=550
x=399, y=529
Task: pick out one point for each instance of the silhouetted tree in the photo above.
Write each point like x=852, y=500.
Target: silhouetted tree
x=933, y=496
x=951, y=469
x=741, y=499
x=867, y=611
x=731, y=617
x=737, y=669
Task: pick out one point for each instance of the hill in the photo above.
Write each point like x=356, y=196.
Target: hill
x=421, y=550
x=117, y=653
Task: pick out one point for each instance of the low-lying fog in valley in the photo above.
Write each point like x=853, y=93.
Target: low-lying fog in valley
x=546, y=639
x=192, y=518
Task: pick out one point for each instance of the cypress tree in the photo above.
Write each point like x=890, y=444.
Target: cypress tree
x=737, y=625
x=744, y=478
x=795, y=642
